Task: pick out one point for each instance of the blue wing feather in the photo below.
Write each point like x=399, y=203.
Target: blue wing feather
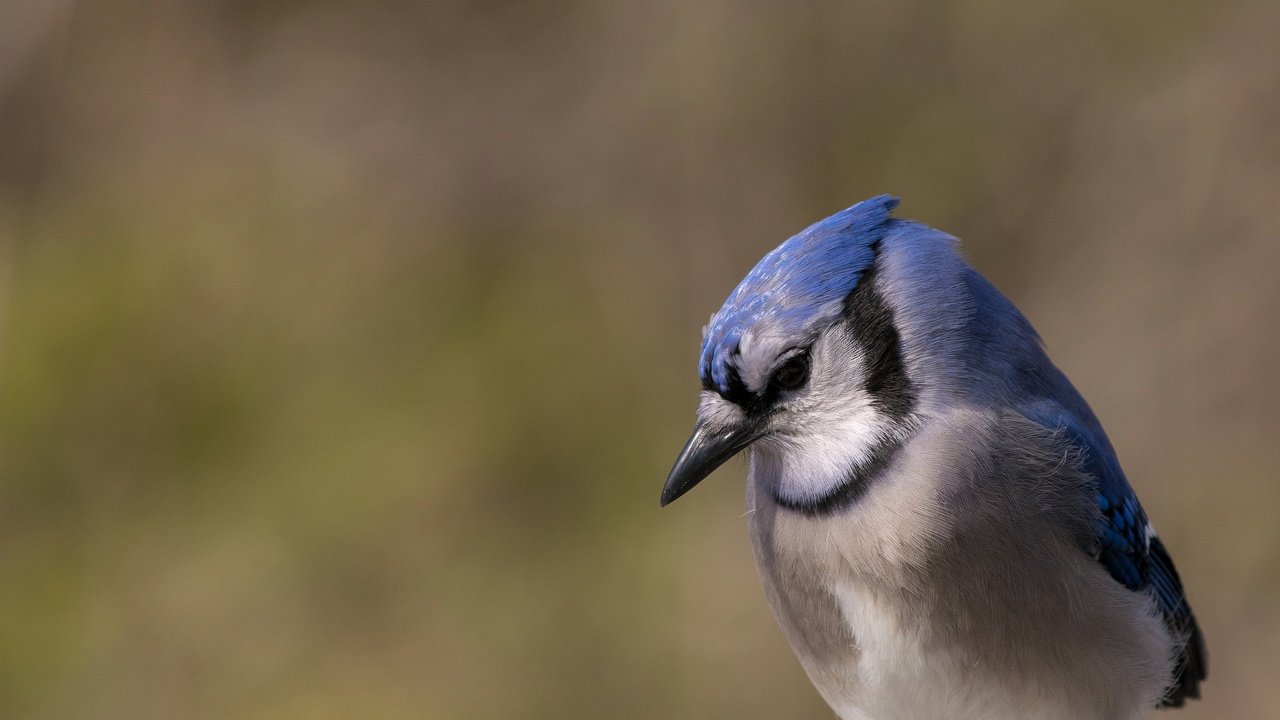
x=1130, y=550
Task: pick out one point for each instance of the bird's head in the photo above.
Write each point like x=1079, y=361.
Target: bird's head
x=805, y=363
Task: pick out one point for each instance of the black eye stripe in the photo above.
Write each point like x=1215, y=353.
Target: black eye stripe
x=871, y=322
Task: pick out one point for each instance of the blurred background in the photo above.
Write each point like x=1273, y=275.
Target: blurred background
x=344, y=347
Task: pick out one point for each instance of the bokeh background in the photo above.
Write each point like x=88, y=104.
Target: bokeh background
x=345, y=346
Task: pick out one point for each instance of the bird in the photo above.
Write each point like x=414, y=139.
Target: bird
x=941, y=526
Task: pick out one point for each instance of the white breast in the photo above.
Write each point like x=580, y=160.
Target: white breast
x=898, y=677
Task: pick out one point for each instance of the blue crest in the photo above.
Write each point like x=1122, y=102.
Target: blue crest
x=798, y=285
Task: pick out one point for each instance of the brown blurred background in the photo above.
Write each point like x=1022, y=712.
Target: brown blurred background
x=345, y=346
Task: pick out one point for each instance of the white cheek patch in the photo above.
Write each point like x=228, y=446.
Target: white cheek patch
x=834, y=428
x=817, y=459
x=818, y=437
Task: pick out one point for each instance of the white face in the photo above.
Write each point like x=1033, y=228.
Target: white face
x=813, y=435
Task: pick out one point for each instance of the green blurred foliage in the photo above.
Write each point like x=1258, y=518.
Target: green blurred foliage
x=345, y=346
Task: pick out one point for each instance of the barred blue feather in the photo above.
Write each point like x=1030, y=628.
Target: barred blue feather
x=1129, y=549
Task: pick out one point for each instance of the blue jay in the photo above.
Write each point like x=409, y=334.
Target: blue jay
x=940, y=523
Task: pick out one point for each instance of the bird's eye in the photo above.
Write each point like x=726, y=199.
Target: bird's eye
x=793, y=373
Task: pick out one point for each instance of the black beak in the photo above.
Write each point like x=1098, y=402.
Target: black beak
x=705, y=451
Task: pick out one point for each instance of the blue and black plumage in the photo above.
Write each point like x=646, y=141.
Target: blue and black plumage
x=799, y=286
x=941, y=524
x=1134, y=555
